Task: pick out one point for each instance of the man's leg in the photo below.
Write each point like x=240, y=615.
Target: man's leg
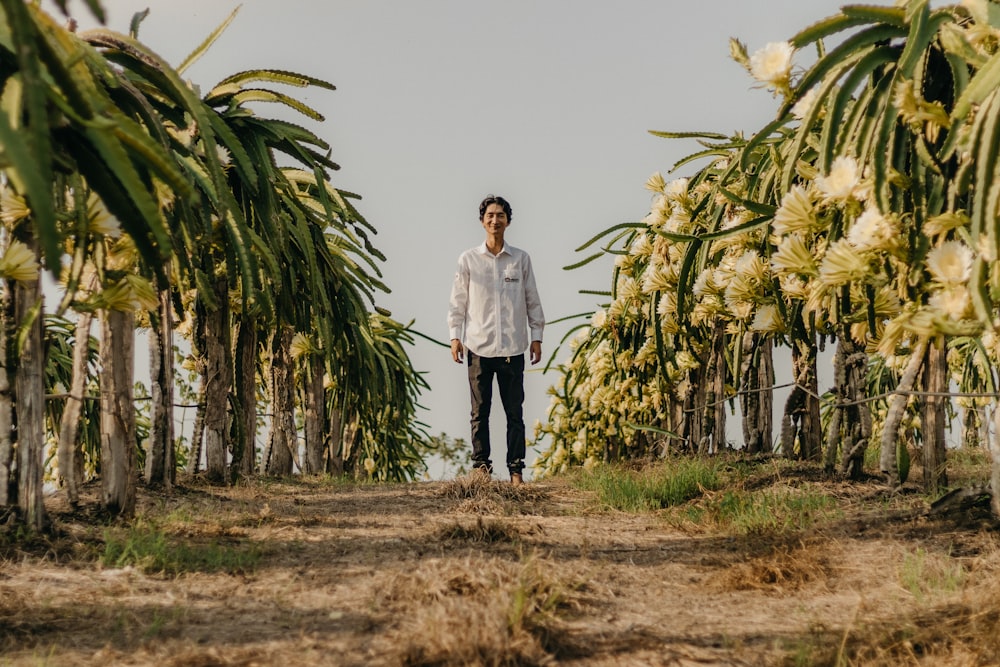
x=481, y=390
x=510, y=379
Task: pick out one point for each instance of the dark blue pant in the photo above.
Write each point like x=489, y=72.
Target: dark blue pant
x=509, y=372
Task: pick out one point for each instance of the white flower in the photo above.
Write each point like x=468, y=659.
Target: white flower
x=740, y=288
x=661, y=209
x=100, y=220
x=767, y=318
x=772, y=64
x=842, y=181
x=679, y=219
x=629, y=289
x=750, y=265
x=986, y=249
x=805, y=104
x=559, y=455
x=794, y=287
x=950, y=263
x=952, y=301
x=677, y=189
x=667, y=305
x=705, y=283
x=989, y=340
x=871, y=231
x=657, y=278
x=741, y=310
x=641, y=246
x=795, y=213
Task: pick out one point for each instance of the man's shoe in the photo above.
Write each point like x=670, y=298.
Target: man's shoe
x=516, y=479
x=482, y=472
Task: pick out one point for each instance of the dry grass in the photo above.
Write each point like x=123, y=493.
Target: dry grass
x=478, y=495
x=485, y=611
x=960, y=628
x=784, y=569
x=486, y=531
x=481, y=572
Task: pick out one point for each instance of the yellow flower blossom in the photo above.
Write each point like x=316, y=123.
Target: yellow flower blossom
x=944, y=223
x=19, y=263
x=667, y=305
x=655, y=183
x=793, y=257
x=657, y=279
x=13, y=207
x=301, y=346
x=842, y=264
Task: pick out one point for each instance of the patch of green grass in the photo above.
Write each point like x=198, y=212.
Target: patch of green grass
x=667, y=484
x=154, y=551
x=923, y=574
x=763, y=512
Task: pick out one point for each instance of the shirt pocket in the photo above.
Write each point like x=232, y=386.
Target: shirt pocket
x=511, y=278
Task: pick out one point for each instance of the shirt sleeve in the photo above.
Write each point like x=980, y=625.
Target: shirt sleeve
x=459, y=302
x=536, y=318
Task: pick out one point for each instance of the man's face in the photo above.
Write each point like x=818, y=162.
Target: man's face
x=495, y=219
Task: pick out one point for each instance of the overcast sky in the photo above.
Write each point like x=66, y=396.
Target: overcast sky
x=440, y=102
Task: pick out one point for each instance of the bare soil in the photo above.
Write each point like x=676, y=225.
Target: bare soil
x=467, y=572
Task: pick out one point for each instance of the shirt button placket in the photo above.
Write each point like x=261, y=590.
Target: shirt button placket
x=497, y=291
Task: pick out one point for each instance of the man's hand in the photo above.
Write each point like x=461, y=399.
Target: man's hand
x=457, y=350
x=535, y=351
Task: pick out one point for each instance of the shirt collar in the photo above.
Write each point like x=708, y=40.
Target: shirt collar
x=483, y=250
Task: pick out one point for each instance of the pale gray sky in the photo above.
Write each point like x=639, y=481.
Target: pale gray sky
x=440, y=102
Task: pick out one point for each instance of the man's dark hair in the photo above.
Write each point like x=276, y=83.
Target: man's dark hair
x=495, y=199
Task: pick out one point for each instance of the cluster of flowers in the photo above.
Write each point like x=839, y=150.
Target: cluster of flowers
x=830, y=255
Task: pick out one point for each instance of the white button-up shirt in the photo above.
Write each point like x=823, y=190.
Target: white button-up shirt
x=494, y=302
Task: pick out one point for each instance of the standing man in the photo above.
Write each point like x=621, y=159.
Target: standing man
x=494, y=307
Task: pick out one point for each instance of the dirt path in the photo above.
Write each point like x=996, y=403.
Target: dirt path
x=457, y=573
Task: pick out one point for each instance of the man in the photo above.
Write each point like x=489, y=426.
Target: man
x=494, y=307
